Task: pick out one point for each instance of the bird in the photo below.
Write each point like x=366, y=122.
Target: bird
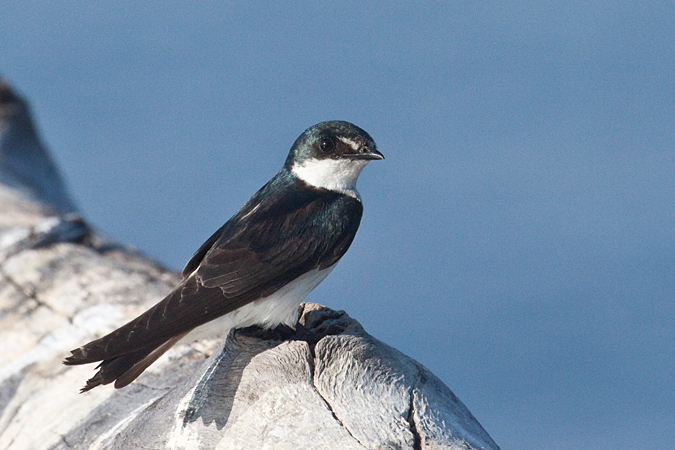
x=260, y=265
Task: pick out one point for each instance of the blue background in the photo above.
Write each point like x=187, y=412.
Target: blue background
x=517, y=240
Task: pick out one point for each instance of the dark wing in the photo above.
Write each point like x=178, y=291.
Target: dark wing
x=269, y=242
x=278, y=242
x=196, y=259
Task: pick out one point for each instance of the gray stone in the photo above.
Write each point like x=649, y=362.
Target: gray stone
x=62, y=285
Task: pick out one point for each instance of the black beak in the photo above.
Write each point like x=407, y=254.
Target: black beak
x=367, y=154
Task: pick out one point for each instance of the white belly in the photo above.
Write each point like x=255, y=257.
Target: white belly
x=279, y=308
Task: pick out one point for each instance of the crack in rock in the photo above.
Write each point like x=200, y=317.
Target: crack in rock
x=312, y=367
x=417, y=444
x=27, y=291
x=47, y=232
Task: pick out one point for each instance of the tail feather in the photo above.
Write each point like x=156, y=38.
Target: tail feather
x=126, y=368
x=135, y=370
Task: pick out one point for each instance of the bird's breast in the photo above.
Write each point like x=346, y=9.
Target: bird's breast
x=278, y=308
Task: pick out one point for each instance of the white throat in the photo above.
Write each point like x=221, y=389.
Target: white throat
x=337, y=175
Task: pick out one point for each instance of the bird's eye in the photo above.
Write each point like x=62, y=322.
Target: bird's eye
x=326, y=145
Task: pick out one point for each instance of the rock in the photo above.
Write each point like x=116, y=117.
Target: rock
x=25, y=165
x=61, y=285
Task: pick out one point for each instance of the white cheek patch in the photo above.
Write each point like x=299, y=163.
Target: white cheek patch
x=337, y=175
x=353, y=144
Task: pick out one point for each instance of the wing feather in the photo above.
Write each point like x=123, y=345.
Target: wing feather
x=255, y=253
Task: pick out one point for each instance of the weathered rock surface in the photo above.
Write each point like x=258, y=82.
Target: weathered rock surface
x=62, y=285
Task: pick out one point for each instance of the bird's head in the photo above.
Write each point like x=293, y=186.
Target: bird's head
x=331, y=155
